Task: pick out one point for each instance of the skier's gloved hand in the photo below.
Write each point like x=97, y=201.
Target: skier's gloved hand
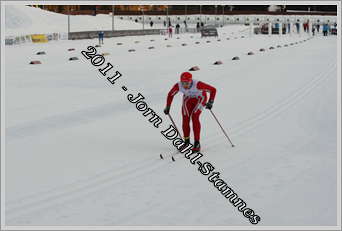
x=209, y=105
x=167, y=110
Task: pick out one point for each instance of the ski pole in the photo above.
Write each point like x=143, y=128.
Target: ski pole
x=224, y=132
x=174, y=124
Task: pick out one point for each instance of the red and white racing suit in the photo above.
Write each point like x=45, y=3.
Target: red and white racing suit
x=194, y=99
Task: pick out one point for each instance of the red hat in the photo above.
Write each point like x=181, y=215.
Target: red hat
x=186, y=77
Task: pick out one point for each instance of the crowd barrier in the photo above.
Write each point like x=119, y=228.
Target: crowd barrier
x=43, y=38
x=109, y=34
x=35, y=38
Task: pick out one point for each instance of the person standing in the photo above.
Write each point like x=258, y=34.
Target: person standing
x=170, y=31
x=185, y=26
x=151, y=23
x=325, y=29
x=177, y=28
x=101, y=36
x=194, y=99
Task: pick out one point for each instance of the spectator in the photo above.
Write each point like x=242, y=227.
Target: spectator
x=317, y=27
x=101, y=35
x=177, y=28
x=151, y=23
x=297, y=27
x=276, y=27
x=202, y=24
x=325, y=29
x=198, y=26
x=164, y=23
x=305, y=27
x=313, y=31
x=170, y=31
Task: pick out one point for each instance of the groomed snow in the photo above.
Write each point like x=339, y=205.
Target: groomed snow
x=78, y=153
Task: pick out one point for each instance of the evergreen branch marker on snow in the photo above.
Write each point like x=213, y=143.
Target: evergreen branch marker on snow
x=195, y=68
x=35, y=62
x=73, y=58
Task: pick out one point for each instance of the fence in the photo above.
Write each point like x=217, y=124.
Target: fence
x=43, y=38
x=35, y=38
x=109, y=34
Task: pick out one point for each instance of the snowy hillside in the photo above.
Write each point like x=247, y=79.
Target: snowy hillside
x=79, y=153
x=21, y=20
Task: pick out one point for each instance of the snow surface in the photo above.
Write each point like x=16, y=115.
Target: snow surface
x=22, y=20
x=78, y=153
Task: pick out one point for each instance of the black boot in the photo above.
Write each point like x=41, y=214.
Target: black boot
x=186, y=144
x=197, y=146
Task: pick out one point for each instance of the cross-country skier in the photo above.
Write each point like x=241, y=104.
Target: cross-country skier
x=194, y=99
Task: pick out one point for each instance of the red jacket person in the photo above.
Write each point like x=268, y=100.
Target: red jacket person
x=194, y=99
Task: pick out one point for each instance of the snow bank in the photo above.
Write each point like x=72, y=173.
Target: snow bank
x=23, y=20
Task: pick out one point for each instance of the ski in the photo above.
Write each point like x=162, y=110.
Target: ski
x=175, y=155
x=165, y=156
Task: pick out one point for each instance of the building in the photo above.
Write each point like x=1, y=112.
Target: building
x=187, y=9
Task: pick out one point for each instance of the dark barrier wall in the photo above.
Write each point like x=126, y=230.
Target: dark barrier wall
x=109, y=34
